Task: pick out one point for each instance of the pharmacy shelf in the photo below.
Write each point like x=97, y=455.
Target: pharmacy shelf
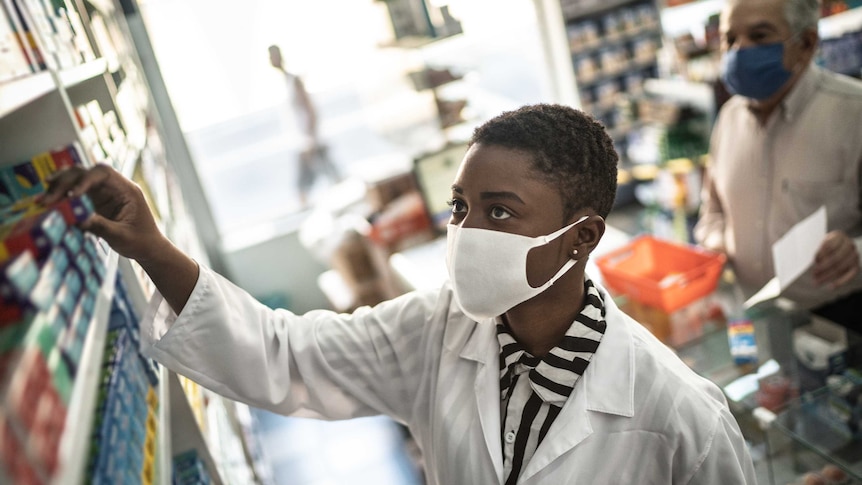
x=127, y=167
x=580, y=8
x=813, y=421
x=680, y=19
x=164, y=454
x=104, y=6
x=84, y=72
x=21, y=91
x=632, y=67
x=75, y=443
x=615, y=40
x=185, y=432
x=136, y=131
x=233, y=409
x=841, y=23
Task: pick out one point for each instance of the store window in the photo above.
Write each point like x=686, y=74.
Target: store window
x=352, y=57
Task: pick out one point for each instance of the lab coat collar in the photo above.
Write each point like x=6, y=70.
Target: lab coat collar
x=482, y=347
x=610, y=378
x=607, y=387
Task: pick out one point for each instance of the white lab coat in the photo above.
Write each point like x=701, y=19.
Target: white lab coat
x=638, y=415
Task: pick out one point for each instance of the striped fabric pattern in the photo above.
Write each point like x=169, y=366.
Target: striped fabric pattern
x=530, y=403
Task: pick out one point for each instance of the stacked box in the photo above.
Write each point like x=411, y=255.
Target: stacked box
x=61, y=35
x=28, y=36
x=19, y=183
x=124, y=433
x=103, y=138
x=48, y=289
x=189, y=469
x=13, y=60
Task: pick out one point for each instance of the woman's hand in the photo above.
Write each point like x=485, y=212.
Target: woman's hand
x=122, y=217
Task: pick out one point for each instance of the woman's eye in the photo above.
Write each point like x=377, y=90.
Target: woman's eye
x=500, y=213
x=457, y=206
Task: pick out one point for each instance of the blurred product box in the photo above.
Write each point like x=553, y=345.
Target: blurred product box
x=741, y=338
x=820, y=348
x=658, y=111
x=364, y=268
x=676, y=328
x=13, y=60
x=40, y=59
x=381, y=192
x=402, y=223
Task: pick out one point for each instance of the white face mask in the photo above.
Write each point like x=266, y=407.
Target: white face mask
x=488, y=269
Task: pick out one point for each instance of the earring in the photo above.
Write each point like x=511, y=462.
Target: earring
x=575, y=253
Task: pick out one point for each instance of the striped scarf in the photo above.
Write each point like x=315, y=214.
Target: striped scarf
x=551, y=378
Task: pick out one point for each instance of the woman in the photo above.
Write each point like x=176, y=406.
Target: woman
x=519, y=370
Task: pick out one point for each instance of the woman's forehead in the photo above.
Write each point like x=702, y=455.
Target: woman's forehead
x=494, y=163
x=492, y=168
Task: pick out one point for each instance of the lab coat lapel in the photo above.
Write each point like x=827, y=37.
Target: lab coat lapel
x=482, y=347
x=607, y=386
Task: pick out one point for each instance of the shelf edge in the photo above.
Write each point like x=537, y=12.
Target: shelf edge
x=19, y=92
x=74, y=444
x=84, y=72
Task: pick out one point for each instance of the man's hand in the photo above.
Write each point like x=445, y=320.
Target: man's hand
x=837, y=261
x=123, y=218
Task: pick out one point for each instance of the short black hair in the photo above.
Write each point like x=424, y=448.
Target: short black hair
x=569, y=148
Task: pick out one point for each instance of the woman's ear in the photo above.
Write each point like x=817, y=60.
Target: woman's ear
x=589, y=233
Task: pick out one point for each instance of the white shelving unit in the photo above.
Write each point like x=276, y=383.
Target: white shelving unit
x=185, y=433
x=37, y=114
x=74, y=446
x=21, y=91
x=839, y=24
x=681, y=18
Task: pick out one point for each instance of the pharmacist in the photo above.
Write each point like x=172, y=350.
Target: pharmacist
x=787, y=144
x=519, y=370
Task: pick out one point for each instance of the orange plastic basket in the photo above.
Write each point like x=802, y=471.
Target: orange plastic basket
x=659, y=273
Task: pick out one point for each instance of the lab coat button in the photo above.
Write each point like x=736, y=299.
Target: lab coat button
x=510, y=437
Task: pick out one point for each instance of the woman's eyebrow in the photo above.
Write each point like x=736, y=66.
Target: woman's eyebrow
x=501, y=195
x=492, y=195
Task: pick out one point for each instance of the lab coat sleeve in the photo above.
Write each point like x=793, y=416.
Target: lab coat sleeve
x=334, y=365
x=726, y=458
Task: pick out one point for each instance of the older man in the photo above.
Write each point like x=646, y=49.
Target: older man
x=785, y=145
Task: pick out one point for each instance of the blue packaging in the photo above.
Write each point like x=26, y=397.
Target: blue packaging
x=19, y=276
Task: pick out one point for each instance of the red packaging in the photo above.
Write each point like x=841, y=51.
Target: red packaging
x=36, y=234
x=29, y=383
x=66, y=157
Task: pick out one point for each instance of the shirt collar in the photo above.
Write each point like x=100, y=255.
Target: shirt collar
x=798, y=97
x=801, y=94
x=553, y=377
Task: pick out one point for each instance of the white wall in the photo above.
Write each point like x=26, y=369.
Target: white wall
x=280, y=265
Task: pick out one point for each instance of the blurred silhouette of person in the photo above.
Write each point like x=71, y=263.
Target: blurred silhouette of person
x=313, y=157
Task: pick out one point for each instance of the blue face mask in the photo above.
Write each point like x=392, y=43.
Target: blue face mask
x=755, y=72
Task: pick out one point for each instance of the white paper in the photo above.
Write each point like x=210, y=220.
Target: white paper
x=770, y=290
x=795, y=251
x=748, y=384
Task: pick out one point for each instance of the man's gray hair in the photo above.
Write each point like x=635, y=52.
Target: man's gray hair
x=802, y=15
